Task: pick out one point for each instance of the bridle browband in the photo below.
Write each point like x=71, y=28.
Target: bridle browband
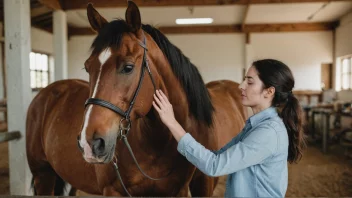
x=124, y=129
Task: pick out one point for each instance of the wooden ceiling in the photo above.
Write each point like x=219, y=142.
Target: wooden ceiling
x=82, y=4
x=42, y=15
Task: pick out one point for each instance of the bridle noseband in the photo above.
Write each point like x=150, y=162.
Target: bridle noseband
x=125, y=122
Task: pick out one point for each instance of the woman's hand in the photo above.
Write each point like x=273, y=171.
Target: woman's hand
x=164, y=108
x=167, y=116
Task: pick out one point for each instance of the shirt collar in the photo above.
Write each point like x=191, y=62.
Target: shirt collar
x=265, y=114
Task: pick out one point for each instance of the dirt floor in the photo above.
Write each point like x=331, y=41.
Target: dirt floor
x=316, y=175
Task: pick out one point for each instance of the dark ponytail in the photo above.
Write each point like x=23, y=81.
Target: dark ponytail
x=276, y=74
x=292, y=116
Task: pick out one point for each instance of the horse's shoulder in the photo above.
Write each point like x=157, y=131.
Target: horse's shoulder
x=222, y=84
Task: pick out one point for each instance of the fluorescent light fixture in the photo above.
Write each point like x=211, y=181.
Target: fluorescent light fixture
x=194, y=21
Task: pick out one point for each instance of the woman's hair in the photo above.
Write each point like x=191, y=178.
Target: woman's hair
x=276, y=74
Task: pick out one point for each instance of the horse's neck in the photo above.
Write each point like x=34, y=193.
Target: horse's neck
x=171, y=86
x=151, y=127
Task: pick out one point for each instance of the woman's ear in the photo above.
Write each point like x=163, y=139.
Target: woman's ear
x=269, y=92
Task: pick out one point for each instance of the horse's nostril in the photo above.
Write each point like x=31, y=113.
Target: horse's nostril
x=98, y=146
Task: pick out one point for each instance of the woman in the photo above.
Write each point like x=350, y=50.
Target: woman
x=256, y=159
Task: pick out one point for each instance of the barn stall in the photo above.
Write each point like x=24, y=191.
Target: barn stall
x=46, y=41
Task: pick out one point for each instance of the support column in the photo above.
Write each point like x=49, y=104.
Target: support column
x=248, y=59
x=248, y=53
x=17, y=49
x=2, y=70
x=60, y=44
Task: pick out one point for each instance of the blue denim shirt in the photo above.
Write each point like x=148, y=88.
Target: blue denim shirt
x=255, y=160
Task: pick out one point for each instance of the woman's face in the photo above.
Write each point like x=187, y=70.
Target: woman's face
x=252, y=91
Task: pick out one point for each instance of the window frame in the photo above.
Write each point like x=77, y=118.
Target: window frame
x=36, y=70
x=349, y=73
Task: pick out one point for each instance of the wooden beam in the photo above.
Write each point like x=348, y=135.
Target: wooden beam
x=39, y=11
x=48, y=29
x=75, y=31
x=249, y=28
x=38, y=19
x=200, y=29
x=52, y=4
x=290, y=27
x=82, y=4
x=5, y=137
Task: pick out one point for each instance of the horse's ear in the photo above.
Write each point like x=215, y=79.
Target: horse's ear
x=133, y=16
x=95, y=19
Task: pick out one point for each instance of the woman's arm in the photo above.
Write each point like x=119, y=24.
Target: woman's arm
x=259, y=145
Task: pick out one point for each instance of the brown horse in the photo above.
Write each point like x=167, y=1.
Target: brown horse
x=122, y=53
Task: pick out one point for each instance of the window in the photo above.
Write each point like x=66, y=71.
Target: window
x=39, y=68
x=346, y=73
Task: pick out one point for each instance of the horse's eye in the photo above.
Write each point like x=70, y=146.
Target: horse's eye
x=127, y=69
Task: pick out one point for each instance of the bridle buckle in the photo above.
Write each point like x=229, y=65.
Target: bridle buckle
x=124, y=127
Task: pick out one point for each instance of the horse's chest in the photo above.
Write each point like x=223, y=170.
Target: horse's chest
x=170, y=185
x=152, y=188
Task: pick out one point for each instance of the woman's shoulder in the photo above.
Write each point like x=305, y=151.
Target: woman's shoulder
x=267, y=128
x=277, y=125
x=275, y=130
x=274, y=123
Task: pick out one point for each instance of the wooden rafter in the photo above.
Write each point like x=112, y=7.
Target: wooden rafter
x=38, y=19
x=39, y=11
x=249, y=28
x=53, y=4
x=290, y=27
x=82, y=4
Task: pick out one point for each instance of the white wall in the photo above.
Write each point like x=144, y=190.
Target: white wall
x=42, y=41
x=343, y=45
x=303, y=52
x=222, y=56
x=78, y=52
x=344, y=36
x=217, y=56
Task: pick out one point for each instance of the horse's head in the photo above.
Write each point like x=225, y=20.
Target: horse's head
x=128, y=62
x=122, y=82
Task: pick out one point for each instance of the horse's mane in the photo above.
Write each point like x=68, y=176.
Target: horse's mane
x=200, y=104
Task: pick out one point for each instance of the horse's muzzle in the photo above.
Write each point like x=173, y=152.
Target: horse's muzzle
x=78, y=144
x=101, y=151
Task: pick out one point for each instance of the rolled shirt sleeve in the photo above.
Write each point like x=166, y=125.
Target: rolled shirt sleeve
x=260, y=144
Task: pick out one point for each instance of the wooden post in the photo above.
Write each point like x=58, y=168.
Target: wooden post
x=60, y=44
x=248, y=53
x=17, y=49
